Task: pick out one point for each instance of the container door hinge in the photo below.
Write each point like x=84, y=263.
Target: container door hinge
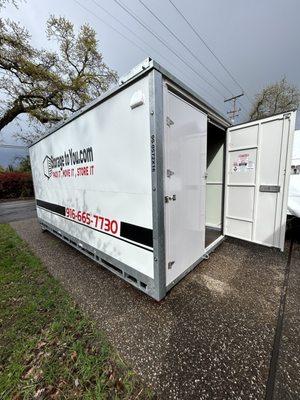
x=170, y=198
x=170, y=264
x=169, y=173
x=169, y=122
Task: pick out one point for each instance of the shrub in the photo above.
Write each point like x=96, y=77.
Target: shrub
x=15, y=184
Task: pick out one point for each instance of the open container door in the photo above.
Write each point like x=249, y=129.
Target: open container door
x=258, y=159
x=185, y=166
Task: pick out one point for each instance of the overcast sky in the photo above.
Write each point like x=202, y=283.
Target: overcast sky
x=258, y=41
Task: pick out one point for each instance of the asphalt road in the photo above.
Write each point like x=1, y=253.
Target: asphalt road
x=219, y=334
x=17, y=210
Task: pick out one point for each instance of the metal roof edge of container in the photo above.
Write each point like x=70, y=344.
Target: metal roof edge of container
x=133, y=75
x=264, y=119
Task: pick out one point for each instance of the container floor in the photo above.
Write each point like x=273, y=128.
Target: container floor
x=211, y=235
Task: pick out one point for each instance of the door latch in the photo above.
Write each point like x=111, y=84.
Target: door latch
x=169, y=173
x=169, y=121
x=170, y=198
x=170, y=264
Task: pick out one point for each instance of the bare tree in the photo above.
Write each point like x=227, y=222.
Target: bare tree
x=276, y=98
x=3, y=3
x=46, y=85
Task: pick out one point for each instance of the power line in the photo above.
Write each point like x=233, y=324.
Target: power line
x=210, y=50
x=126, y=27
x=13, y=146
x=185, y=46
x=109, y=25
x=134, y=16
x=125, y=37
x=145, y=43
x=243, y=113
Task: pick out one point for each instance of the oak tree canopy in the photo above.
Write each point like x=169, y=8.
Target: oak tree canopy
x=48, y=85
x=274, y=99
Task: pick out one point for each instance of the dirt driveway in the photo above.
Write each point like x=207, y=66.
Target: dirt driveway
x=213, y=335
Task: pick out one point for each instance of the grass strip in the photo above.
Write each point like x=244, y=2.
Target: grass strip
x=48, y=348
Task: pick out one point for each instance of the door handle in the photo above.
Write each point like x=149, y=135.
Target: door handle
x=269, y=188
x=170, y=198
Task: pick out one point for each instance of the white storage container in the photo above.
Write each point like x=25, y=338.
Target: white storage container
x=294, y=190
x=149, y=178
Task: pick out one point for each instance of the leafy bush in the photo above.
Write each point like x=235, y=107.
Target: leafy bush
x=15, y=184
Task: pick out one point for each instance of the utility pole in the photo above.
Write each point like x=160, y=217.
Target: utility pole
x=234, y=112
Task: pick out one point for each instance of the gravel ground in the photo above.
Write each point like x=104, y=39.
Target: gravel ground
x=212, y=336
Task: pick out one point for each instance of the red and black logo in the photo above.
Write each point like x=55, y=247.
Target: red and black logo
x=67, y=160
x=47, y=167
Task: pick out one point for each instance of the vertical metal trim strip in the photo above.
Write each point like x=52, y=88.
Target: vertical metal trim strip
x=280, y=183
x=226, y=179
x=256, y=184
x=286, y=181
x=157, y=168
x=223, y=182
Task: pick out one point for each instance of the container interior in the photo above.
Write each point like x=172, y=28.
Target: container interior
x=216, y=138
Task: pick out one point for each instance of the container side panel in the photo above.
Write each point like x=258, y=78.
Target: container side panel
x=240, y=141
x=214, y=184
x=92, y=178
x=214, y=200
